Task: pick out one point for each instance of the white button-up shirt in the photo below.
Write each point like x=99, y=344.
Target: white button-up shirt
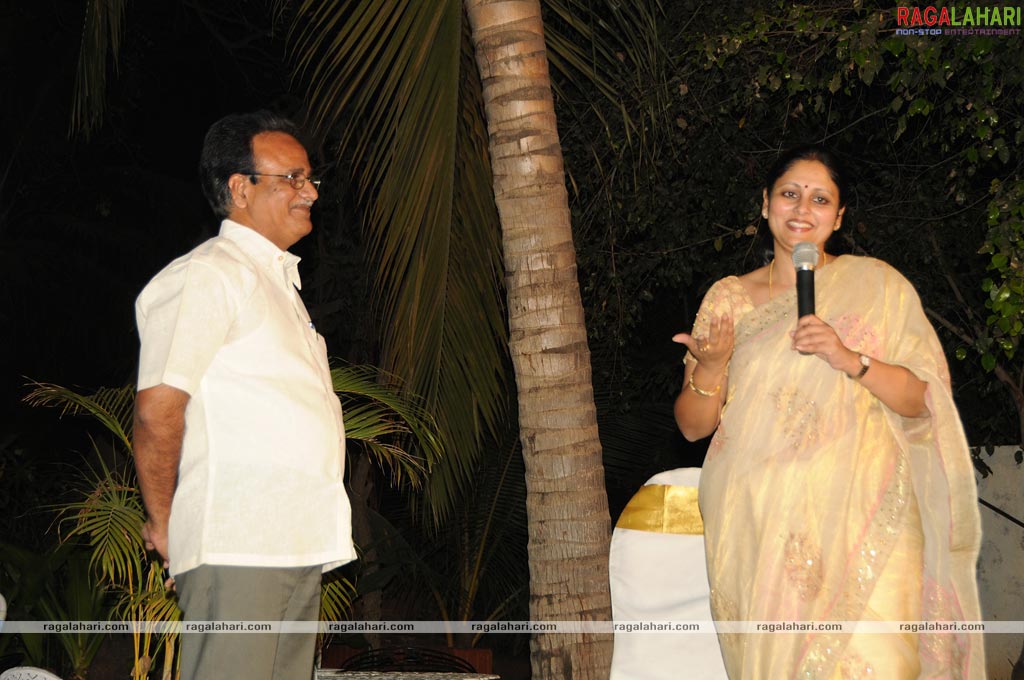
x=260, y=477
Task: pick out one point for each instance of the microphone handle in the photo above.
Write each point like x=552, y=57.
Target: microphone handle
x=804, y=292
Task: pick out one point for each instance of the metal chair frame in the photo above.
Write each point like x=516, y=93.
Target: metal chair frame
x=407, y=659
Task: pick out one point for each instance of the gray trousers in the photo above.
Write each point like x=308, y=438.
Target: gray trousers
x=233, y=594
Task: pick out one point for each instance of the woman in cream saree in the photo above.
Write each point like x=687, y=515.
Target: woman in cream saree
x=820, y=502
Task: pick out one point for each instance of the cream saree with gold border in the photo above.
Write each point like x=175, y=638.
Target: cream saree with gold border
x=820, y=503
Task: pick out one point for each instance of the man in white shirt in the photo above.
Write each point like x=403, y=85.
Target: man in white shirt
x=239, y=440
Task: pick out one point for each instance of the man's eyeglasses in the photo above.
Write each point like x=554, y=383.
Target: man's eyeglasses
x=297, y=181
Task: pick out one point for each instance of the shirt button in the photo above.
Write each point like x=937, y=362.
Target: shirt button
x=280, y=258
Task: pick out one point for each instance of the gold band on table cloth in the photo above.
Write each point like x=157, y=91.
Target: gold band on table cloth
x=664, y=509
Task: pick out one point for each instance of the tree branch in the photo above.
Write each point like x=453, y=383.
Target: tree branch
x=968, y=309
x=949, y=325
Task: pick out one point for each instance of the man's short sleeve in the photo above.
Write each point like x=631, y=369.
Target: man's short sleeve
x=184, y=315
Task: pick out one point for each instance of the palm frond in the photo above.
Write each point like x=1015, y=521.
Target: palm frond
x=336, y=597
x=493, y=533
x=397, y=76
x=570, y=56
x=397, y=556
x=382, y=418
x=615, y=48
x=630, y=440
x=102, y=30
x=77, y=598
x=476, y=566
x=111, y=406
x=151, y=601
x=109, y=517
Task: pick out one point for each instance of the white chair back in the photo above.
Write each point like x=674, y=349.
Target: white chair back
x=658, y=574
x=28, y=673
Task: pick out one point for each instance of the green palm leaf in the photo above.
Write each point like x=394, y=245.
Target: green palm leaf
x=398, y=79
x=610, y=53
x=102, y=30
x=109, y=517
x=77, y=598
x=112, y=407
x=152, y=601
x=493, y=538
x=336, y=597
x=382, y=419
x=475, y=567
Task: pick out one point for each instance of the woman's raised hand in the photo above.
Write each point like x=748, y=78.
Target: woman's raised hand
x=714, y=350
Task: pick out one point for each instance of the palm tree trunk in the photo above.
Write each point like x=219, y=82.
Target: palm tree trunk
x=567, y=505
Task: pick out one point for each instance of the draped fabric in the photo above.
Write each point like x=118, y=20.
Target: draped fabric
x=820, y=503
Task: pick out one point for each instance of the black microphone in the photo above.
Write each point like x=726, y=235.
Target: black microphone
x=805, y=259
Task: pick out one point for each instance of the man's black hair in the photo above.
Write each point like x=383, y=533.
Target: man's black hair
x=227, y=149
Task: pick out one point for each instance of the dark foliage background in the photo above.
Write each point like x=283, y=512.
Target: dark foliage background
x=930, y=126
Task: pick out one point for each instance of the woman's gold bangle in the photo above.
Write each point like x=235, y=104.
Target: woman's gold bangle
x=703, y=393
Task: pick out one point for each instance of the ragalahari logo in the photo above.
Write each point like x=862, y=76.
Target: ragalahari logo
x=969, y=20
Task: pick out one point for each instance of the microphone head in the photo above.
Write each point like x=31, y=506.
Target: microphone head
x=805, y=256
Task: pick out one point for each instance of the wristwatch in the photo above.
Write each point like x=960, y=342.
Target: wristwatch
x=865, y=364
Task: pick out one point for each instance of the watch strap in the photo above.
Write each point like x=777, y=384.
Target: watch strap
x=865, y=364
